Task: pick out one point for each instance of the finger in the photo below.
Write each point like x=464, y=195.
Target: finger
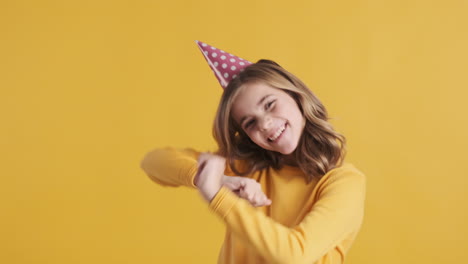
x=267, y=202
x=259, y=199
x=231, y=186
x=246, y=194
x=243, y=183
x=262, y=200
x=253, y=193
x=265, y=199
x=248, y=187
x=254, y=200
x=232, y=182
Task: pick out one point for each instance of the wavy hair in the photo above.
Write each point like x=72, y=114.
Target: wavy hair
x=320, y=147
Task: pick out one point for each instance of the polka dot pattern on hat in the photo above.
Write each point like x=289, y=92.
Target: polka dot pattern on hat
x=224, y=69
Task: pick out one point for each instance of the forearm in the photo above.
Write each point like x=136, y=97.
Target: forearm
x=171, y=166
x=208, y=178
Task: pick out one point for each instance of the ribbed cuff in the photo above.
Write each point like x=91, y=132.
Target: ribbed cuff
x=192, y=172
x=223, y=202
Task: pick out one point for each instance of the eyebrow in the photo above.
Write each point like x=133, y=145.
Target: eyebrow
x=259, y=103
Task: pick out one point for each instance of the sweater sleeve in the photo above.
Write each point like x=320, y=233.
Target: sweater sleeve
x=338, y=210
x=171, y=166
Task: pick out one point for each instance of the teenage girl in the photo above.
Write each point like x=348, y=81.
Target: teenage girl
x=278, y=179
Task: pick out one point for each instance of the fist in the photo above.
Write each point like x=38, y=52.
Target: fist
x=248, y=189
x=209, y=174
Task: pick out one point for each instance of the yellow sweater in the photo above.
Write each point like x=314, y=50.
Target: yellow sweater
x=306, y=223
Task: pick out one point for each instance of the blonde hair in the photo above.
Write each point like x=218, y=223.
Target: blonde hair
x=320, y=147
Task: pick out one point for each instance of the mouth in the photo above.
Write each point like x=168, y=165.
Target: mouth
x=277, y=135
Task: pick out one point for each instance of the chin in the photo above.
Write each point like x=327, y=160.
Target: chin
x=288, y=150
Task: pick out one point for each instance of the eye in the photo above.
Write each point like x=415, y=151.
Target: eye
x=269, y=104
x=249, y=123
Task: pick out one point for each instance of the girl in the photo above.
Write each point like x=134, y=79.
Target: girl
x=294, y=199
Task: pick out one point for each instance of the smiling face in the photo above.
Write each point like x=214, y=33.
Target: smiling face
x=269, y=116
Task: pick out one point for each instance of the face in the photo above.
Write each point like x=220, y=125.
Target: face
x=269, y=116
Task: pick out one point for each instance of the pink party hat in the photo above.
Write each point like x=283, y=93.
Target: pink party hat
x=225, y=66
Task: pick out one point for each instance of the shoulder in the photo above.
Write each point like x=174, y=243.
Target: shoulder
x=346, y=176
x=345, y=170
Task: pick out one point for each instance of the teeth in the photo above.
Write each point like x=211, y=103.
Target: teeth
x=277, y=134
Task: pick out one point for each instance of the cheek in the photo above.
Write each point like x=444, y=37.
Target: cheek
x=255, y=138
x=296, y=114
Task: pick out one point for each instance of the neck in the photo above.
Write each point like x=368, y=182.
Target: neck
x=290, y=160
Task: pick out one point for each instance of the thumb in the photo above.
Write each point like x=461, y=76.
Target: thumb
x=232, y=185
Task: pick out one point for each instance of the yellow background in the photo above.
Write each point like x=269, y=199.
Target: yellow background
x=89, y=87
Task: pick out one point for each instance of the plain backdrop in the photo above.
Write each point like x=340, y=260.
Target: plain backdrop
x=87, y=88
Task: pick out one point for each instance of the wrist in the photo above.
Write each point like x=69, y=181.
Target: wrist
x=209, y=191
x=213, y=195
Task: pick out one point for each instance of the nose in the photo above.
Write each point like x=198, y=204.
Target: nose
x=265, y=123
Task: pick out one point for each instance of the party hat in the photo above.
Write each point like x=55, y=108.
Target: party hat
x=225, y=66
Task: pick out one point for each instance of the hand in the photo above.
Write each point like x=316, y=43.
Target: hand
x=209, y=175
x=246, y=188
